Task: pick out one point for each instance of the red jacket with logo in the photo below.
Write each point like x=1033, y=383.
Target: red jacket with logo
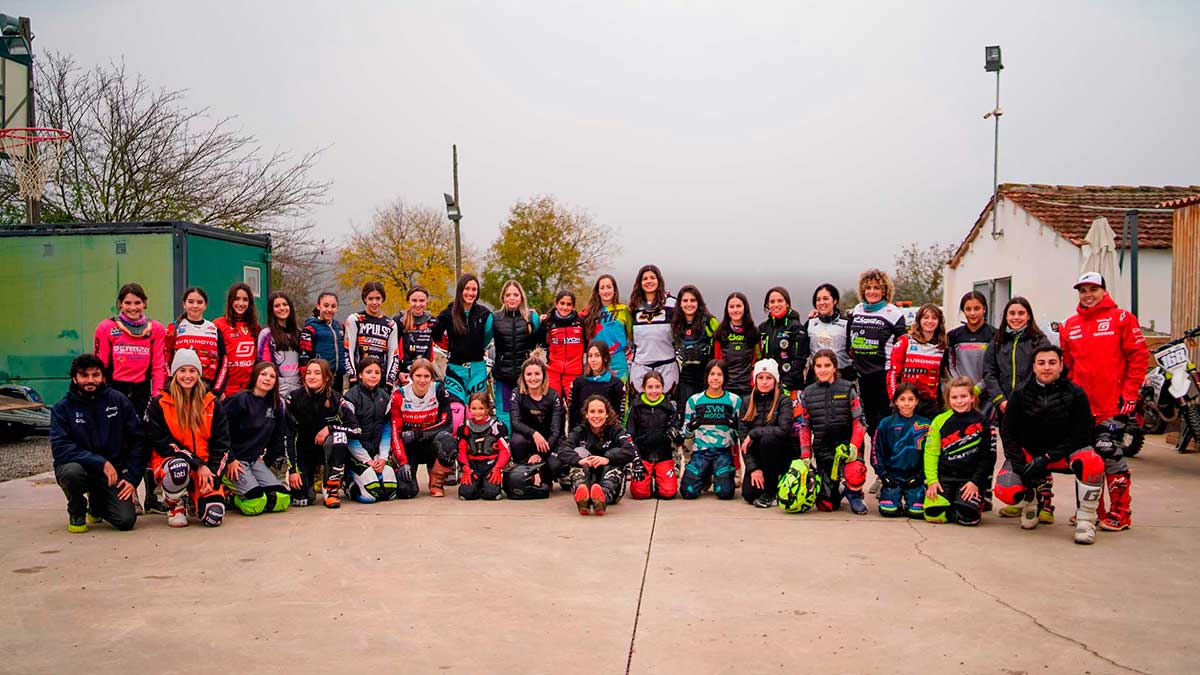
x=565, y=343
x=1105, y=353
x=240, y=343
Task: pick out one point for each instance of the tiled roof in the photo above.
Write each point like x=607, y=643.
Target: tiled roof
x=1070, y=210
x=1181, y=202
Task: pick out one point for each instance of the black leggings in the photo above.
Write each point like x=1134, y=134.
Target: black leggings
x=872, y=388
x=773, y=455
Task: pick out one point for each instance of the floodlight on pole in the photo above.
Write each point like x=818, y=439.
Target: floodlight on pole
x=993, y=64
x=455, y=215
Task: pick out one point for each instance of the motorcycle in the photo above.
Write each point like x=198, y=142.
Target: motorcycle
x=1171, y=391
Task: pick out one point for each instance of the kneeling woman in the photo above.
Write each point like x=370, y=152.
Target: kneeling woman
x=482, y=451
x=191, y=443
x=259, y=435
x=768, y=445
x=324, y=424
x=372, y=477
x=829, y=417
x=597, y=452
x=712, y=415
x=421, y=432
x=537, y=421
x=595, y=379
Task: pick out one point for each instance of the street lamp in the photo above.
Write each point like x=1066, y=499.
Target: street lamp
x=992, y=64
x=455, y=215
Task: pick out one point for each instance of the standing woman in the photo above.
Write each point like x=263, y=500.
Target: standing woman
x=827, y=330
x=919, y=357
x=967, y=344
x=324, y=338
x=607, y=319
x=873, y=328
x=596, y=380
x=652, y=342
x=736, y=344
x=131, y=346
x=516, y=331
x=259, y=435
x=464, y=330
x=1008, y=362
x=190, y=438
x=239, y=330
x=279, y=341
x=192, y=331
x=784, y=339
x=693, y=328
x=416, y=331
x=372, y=333
x=565, y=341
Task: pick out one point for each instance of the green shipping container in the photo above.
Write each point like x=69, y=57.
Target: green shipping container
x=60, y=281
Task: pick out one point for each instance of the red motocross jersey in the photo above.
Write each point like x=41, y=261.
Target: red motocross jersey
x=203, y=338
x=920, y=363
x=240, y=343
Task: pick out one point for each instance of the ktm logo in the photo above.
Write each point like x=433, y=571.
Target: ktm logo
x=244, y=350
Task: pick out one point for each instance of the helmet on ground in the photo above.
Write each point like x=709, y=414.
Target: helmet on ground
x=798, y=488
x=519, y=482
x=937, y=509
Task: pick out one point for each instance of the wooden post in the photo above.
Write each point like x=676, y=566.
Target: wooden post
x=1185, y=272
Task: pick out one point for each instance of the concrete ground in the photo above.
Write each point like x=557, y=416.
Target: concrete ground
x=673, y=587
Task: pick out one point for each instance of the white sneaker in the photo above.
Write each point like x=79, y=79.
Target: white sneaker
x=1029, y=514
x=1085, y=532
x=177, y=515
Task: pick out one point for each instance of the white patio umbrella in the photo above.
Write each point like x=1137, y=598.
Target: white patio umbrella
x=1101, y=248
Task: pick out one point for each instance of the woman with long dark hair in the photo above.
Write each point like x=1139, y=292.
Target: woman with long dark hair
x=373, y=333
x=239, y=330
x=259, y=434
x=967, y=344
x=652, y=342
x=279, y=341
x=736, y=344
x=323, y=337
x=606, y=318
x=192, y=331
x=1009, y=359
x=596, y=380
x=324, y=425
x=784, y=339
x=693, y=328
x=464, y=330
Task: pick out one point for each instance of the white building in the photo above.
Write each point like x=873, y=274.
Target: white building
x=1040, y=248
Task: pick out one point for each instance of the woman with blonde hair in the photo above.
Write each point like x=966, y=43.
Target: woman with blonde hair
x=190, y=438
x=516, y=331
x=873, y=327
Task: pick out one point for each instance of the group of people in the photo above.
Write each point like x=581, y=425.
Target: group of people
x=657, y=396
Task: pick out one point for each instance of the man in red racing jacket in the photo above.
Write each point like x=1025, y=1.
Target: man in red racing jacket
x=1105, y=354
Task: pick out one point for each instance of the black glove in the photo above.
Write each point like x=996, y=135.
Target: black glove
x=404, y=472
x=674, y=436
x=637, y=470
x=1035, y=469
x=408, y=437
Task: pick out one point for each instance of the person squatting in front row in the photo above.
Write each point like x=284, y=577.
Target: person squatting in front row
x=959, y=458
x=654, y=428
x=767, y=441
x=896, y=455
x=831, y=426
x=259, y=435
x=1047, y=427
x=597, y=452
x=421, y=416
x=712, y=418
x=324, y=425
x=191, y=444
x=371, y=474
x=482, y=451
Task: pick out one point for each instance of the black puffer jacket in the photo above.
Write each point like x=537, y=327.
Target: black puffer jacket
x=785, y=339
x=372, y=409
x=613, y=443
x=544, y=416
x=653, y=427
x=1007, y=364
x=1046, y=419
x=514, y=337
x=776, y=425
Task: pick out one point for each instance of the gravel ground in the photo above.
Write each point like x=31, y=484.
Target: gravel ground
x=25, y=458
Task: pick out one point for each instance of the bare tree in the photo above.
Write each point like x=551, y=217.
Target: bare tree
x=137, y=153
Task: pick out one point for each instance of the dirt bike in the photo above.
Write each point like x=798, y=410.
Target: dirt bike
x=1171, y=391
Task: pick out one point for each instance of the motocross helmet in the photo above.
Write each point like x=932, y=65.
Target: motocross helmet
x=798, y=488
x=937, y=509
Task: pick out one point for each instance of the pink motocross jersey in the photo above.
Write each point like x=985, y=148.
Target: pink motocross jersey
x=133, y=358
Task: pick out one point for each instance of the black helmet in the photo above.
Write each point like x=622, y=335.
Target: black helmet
x=518, y=482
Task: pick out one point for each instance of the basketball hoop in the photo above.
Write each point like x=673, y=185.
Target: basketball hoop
x=34, y=153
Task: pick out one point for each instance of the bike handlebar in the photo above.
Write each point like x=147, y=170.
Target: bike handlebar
x=1193, y=333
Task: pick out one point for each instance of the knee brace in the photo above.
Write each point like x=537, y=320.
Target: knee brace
x=252, y=503
x=692, y=483
x=177, y=474
x=1088, y=466
x=211, y=510
x=723, y=475
x=1009, y=487
x=856, y=475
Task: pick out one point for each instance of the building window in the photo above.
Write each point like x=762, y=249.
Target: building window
x=253, y=278
x=998, y=292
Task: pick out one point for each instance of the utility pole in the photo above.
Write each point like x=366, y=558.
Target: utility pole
x=457, y=229
x=993, y=64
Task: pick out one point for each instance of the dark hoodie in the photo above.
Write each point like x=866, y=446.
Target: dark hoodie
x=102, y=427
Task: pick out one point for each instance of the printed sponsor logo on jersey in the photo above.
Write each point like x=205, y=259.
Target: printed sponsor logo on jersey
x=80, y=419
x=1103, y=324
x=243, y=350
x=110, y=411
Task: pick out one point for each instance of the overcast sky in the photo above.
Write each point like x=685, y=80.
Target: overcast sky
x=783, y=142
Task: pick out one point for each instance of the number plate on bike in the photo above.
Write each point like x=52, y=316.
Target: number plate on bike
x=1174, y=357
